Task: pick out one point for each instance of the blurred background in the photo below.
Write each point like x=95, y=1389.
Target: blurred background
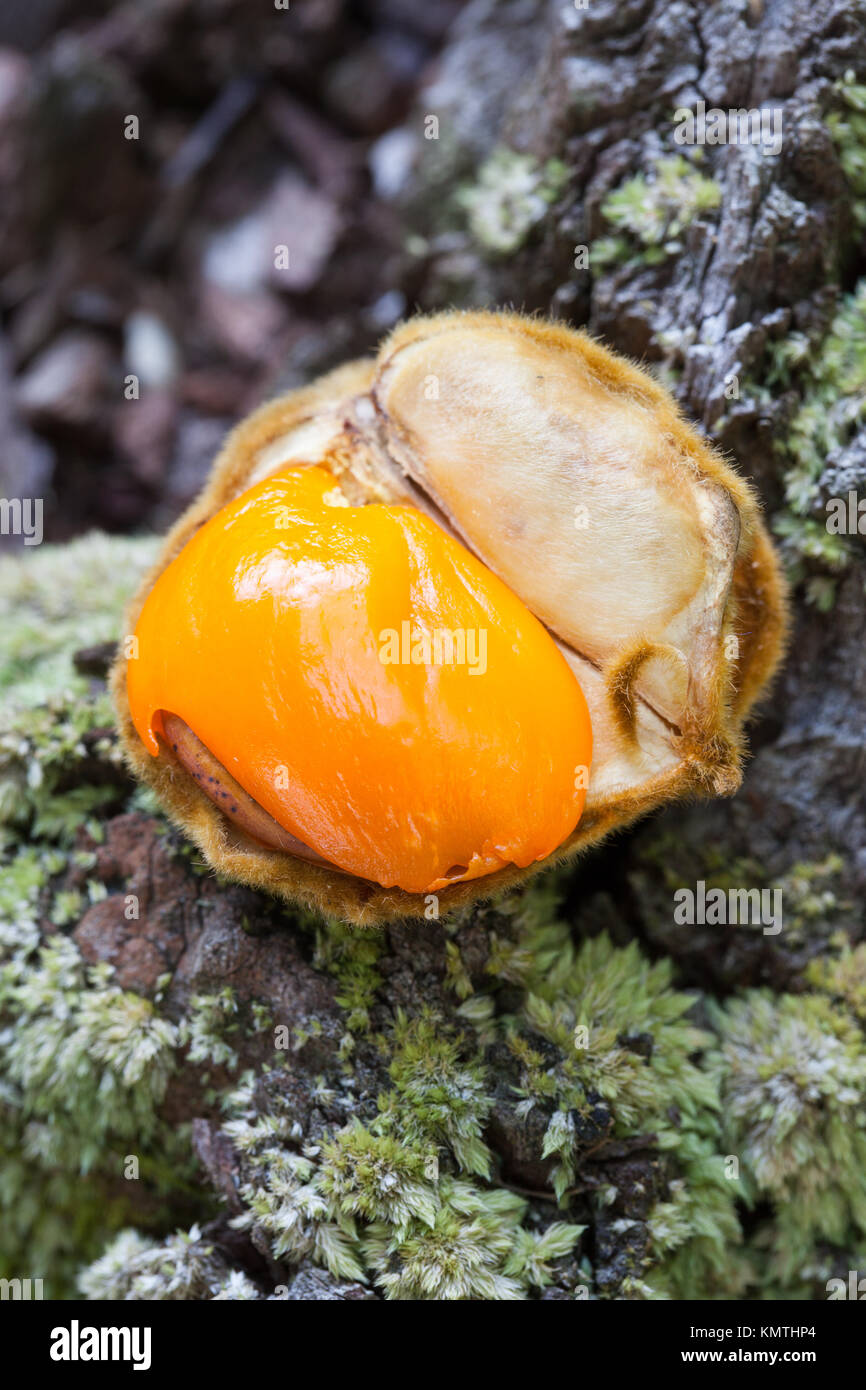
x=152, y=157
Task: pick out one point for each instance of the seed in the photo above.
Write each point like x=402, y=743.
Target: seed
x=279, y=646
x=486, y=474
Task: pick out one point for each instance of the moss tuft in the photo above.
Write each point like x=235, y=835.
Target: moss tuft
x=649, y=212
x=511, y=197
x=792, y=1070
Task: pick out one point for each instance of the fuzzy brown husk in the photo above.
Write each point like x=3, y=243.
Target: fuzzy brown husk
x=708, y=743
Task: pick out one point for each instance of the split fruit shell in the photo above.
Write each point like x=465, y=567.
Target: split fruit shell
x=571, y=476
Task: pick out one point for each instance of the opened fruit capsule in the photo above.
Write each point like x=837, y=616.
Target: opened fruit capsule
x=446, y=616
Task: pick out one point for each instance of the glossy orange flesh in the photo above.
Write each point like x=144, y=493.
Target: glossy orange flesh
x=288, y=635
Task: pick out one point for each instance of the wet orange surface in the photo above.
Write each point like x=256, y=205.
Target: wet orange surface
x=297, y=637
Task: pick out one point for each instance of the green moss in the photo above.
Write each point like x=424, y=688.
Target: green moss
x=833, y=385
x=830, y=378
x=184, y=1266
x=210, y=1021
x=351, y=957
x=371, y=1206
x=439, y=1091
x=695, y=1241
x=83, y=1068
x=59, y=762
x=511, y=197
x=84, y=1064
x=847, y=125
x=812, y=903
x=385, y=1167
x=457, y=976
x=649, y=212
x=282, y=1199
x=474, y=1248
x=842, y=976
x=56, y=599
x=379, y=1177
x=40, y=752
x=792, y=1069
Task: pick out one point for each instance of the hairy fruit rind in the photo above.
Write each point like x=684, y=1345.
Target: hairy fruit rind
x=572, y=477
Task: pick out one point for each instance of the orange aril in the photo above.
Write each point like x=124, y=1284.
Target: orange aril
x=368, y=682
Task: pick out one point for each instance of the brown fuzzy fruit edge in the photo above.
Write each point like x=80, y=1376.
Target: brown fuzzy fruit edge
x=757, y=612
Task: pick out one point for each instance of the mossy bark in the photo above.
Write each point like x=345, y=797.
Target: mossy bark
x=563, y=1094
